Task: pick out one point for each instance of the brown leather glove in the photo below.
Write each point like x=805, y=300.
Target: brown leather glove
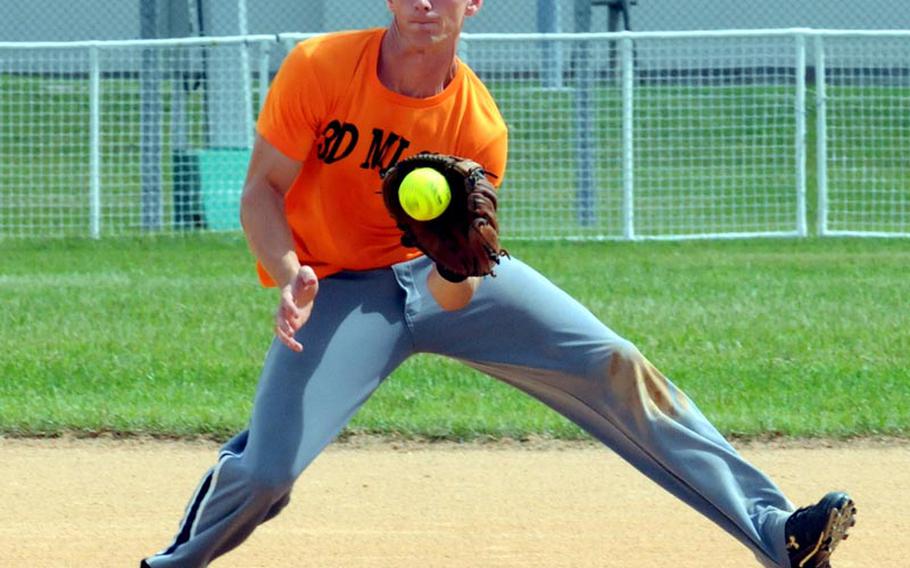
x=464, y=240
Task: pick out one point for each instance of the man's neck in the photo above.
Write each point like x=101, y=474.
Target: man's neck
x=415, y=71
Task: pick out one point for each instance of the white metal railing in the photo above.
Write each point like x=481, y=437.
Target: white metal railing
x=863, y=138
x=631, y=135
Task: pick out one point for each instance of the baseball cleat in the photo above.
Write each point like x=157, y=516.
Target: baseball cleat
x=814, y=532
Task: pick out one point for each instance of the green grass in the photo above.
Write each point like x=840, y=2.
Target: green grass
x=166, y=336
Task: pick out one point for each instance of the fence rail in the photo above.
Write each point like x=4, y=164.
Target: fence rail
x=631, y=135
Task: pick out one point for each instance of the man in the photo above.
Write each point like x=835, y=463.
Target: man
x=354, y=303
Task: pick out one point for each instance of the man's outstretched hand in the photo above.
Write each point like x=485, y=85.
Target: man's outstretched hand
x=295, y=306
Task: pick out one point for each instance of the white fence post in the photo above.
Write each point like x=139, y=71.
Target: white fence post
x=801, y=135
x=265, y=52
x=628, y=142
x=94, y=95
x=821, y=128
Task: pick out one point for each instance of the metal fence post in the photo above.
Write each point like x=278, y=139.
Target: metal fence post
x=150, y=109
x=628, y=138
x=801, y=229
x=94, y=94
x=821, y=130
x=548, y=23
x=585, y=118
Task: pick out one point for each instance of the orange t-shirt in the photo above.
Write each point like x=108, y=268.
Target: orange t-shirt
x=328, y=109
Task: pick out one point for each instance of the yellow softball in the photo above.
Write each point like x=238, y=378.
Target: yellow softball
x=424, y=194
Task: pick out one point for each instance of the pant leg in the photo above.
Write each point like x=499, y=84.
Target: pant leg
x=356, y=336
x=523, y=330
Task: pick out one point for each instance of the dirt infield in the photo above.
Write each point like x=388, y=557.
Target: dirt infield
x=370, y=504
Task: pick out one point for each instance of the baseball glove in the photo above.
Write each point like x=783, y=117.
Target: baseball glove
x=464, y=240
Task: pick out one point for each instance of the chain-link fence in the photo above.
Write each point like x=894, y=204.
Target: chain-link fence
x=652, y=135
x=44, y=20
x=660, y=135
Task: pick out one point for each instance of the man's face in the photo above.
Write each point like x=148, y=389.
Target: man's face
x=432, y=21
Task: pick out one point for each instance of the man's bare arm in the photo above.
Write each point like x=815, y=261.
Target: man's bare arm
x=268, y=180
x=451, y=296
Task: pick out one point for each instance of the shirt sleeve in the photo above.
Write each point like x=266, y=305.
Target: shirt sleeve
x=493, y=157
x=291, y=116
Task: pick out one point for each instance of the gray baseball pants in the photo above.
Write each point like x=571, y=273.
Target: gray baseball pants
x=520, y=329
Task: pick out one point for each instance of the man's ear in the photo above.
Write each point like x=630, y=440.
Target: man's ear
x=473, y=7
